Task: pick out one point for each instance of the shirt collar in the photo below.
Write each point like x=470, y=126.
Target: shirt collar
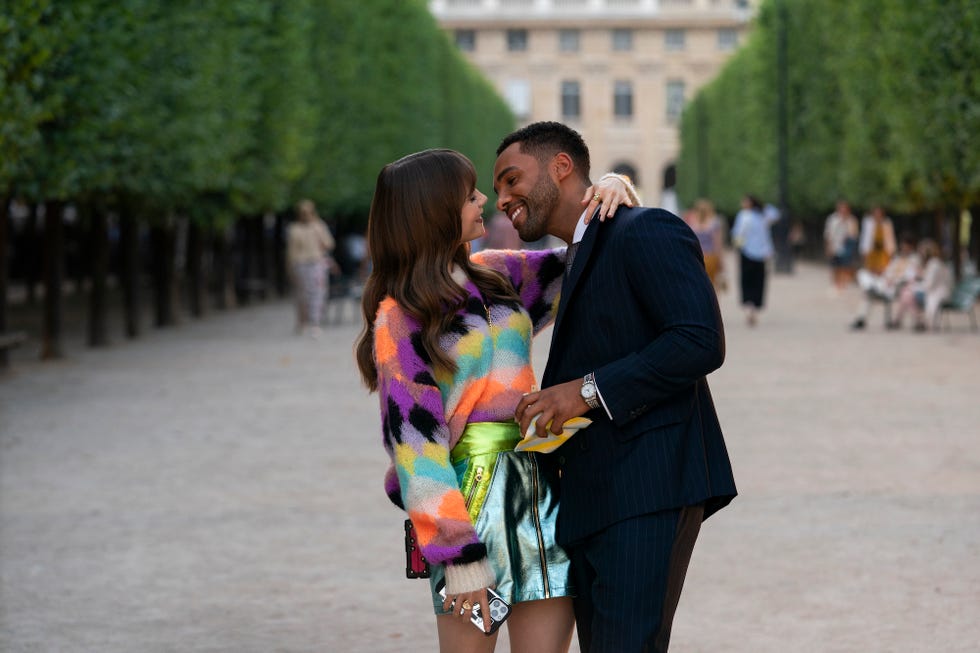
x=581, y=227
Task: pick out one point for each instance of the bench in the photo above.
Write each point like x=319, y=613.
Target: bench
x=877, y=297
x=344, y=291
x=9, y=341
x=963, y=299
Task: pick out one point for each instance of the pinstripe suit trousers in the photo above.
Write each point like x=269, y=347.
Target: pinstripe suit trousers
x=630, y=577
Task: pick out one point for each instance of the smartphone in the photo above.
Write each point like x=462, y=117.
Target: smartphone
x=499, y=610
x=416, y=566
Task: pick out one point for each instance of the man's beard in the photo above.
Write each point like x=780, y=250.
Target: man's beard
x=541, y=203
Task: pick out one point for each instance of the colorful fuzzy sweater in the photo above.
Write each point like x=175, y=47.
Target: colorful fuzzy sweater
x=424, y=410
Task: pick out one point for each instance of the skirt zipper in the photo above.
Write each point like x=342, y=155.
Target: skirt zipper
x=477, y=477
x=537, y=525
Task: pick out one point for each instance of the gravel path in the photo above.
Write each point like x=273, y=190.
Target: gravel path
x=217, y=488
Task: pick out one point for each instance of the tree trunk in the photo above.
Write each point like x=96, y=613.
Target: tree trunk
x=4, y=230
x=54, y=251
x=195, y=257
x=279, y=255
x=32, y=269
x=163, y=238
x=261, y=259
x=957, y=257
x=975, y=238
x=78, y=264
x=243, y=276
x=99, y=262
x=223, y=276
x=129, y=240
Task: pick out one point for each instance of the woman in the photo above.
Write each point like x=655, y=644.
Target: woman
x=877, y=241
x=751, y=236
x=447, y=347
x=926, y=293
x=707, y=227
x=308, y=247
x=840, y=236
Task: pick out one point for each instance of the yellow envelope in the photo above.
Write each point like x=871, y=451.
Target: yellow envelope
x=532, y=442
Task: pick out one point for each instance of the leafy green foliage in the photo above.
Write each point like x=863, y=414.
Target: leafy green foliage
x=883, y=103
x=220, y=109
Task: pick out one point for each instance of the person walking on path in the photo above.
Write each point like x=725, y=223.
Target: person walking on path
x=637, y=330
x=707, y=226
x=308, y=247
x=753, y=238
x=447, y=347
x=840, y=237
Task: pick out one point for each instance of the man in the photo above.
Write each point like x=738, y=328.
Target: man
x=637, y=330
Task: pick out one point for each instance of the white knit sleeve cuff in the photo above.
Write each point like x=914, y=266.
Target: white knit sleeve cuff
x=630, y=188
x=469, y=577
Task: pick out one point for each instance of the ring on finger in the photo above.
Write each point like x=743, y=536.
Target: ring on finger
x=597, y=197
x=467, y=605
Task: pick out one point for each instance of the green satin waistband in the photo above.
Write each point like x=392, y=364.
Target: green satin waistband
x=481, y=438
x=479, y=447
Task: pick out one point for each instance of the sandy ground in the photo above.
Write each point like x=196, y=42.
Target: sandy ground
x=217, y=487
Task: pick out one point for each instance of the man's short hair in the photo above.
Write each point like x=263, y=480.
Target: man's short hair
x=543, y=140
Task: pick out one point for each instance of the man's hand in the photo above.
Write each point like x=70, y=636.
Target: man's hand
x=556, y=404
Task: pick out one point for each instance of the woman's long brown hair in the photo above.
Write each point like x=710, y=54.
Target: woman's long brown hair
x=414, y=238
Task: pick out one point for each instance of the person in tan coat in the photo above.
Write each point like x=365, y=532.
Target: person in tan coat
x=308, y=247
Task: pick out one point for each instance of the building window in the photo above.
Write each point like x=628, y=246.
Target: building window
x=628, y=169
x=571, y=99
x=727, y=38
x=622, y=40
x=568, y=40
x=466, y=40
x=674, y=39
x=517, y=40
x=518, y=94
x=675, y=99
x=623, y=99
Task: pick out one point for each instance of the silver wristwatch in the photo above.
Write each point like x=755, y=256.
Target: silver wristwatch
x=589, y=391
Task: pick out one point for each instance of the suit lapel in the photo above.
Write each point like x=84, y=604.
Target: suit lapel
x=581, y=259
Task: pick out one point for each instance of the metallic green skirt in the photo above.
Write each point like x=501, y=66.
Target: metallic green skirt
x=514, y=507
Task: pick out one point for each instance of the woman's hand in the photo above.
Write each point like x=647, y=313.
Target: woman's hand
x=462, y=604
x=607, y=195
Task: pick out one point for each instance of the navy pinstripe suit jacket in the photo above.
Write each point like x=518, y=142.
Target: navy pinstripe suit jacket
x=638, y=309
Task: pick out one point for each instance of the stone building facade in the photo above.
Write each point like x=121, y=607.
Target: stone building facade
x=618, y=71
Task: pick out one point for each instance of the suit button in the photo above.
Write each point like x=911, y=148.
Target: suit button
x=561, y=460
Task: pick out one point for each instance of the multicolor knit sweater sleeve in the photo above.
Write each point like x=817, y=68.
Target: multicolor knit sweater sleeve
x=535, y=274
x=424, y=411
x=417, y=438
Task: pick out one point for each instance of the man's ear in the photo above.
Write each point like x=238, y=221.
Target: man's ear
x=562, y=166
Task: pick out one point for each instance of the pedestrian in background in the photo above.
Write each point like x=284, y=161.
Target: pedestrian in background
x=840, y=237
x=308, y=248
x=707, y=226
x=877, y=240
x=924, y=295
x=751, y=235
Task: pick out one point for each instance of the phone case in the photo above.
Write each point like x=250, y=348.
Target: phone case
x=416, y=566
x=499, y=609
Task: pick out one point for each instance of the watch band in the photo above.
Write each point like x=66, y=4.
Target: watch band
x=592, y=399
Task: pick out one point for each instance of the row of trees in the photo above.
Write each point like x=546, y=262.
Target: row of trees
x=875, y=101
x=205, y=116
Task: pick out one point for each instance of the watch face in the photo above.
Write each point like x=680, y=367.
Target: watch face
x=588, y=390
